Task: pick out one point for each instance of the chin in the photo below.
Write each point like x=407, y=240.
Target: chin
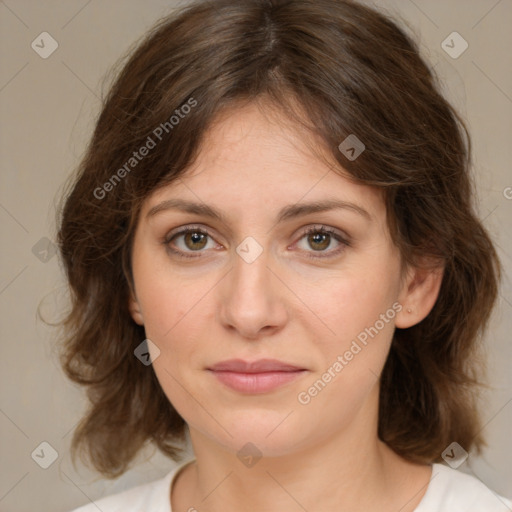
x=266, y=432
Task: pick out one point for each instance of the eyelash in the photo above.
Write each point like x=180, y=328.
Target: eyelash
x=313, y=229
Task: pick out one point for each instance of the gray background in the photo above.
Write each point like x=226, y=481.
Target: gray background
x=48, y=107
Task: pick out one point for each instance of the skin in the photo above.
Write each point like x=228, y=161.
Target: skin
x=284, y=305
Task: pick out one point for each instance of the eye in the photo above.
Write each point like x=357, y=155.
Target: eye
x=188, y=240
x=320, y=238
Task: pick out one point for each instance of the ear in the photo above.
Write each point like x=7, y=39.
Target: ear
x=418, y=295
x=134, y=308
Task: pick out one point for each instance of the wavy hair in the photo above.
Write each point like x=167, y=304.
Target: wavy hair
x=340, y=68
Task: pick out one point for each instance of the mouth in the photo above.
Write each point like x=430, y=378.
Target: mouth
x=261, y=376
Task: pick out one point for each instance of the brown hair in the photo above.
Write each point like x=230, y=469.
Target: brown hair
x=352, y=71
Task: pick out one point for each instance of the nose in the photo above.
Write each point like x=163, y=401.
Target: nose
x=252, y=299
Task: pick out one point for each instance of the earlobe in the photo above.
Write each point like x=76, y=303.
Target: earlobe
x=135, y=311
x=418, y=295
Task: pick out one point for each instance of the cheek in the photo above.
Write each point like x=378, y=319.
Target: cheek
x=350, y=303
x=359, y=309
x=171, y=314
x=167, y=300
x=353, y=358
x=177, y=317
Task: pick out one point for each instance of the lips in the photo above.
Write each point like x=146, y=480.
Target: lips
x=260, y=366
x=261, y=376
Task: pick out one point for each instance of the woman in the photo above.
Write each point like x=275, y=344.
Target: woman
x=272, y=248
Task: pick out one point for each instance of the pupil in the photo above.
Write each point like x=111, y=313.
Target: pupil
x=197, y=238
x=319, y=237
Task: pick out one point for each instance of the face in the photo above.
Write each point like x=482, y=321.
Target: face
x=315, y=290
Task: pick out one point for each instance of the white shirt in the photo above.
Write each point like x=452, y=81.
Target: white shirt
x=448, y=491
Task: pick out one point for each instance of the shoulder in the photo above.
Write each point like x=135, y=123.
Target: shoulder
x=450, y=490
x=154, y=496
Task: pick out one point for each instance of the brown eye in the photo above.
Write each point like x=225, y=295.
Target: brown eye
x=188, y=241
x=195, y=240
x=318, y=239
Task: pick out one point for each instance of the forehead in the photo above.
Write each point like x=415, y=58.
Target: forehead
x=256, y=137
x=256, y=158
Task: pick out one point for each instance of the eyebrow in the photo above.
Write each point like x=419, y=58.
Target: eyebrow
x=286, y=213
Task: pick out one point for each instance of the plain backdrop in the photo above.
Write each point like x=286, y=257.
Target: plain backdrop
x=48, y=107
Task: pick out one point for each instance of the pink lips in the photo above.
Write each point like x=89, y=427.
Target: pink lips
x=259, y=376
